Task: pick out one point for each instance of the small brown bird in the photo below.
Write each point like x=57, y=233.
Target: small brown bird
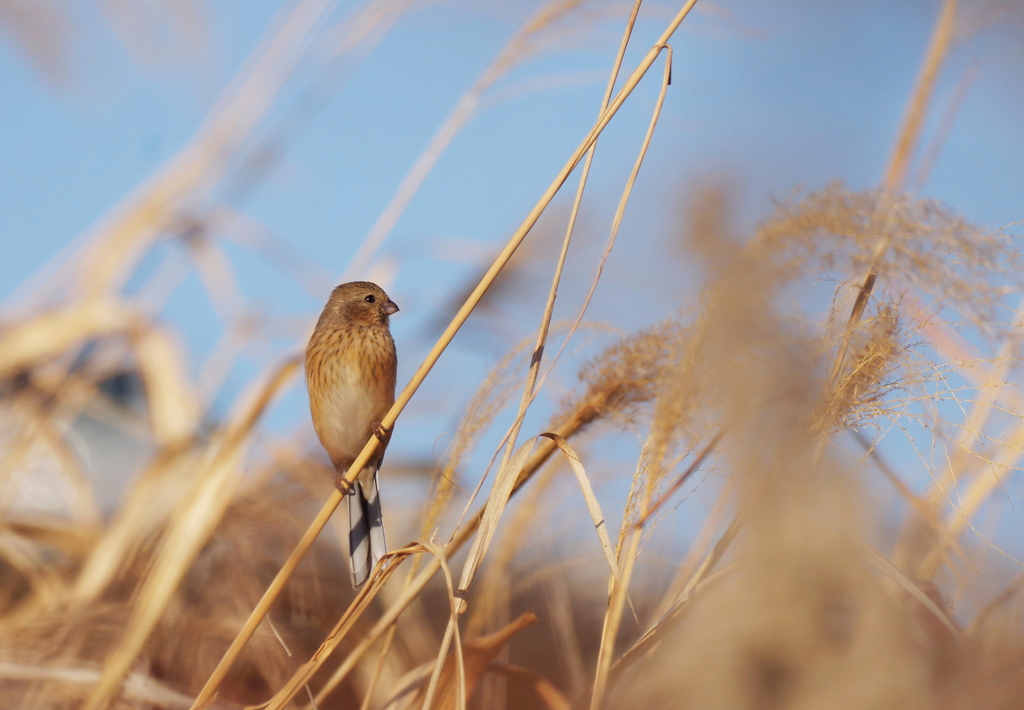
x=350, y=375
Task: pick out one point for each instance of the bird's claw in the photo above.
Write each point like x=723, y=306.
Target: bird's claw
x=343, y=485
x=382, y=433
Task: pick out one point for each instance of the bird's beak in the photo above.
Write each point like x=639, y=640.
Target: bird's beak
x=390, y=308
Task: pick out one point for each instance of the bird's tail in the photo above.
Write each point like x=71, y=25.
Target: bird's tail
x=366, y=542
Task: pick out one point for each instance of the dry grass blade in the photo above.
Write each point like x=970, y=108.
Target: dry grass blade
x=582, y=185
x=454, y=691
x=136, y=685
x=50, y=334
x=899, y=164
x=683, y=477
x=588, y=494
x=488, y=401
x=889, y=569
x=403, y=399
x=478, y=654
x=515, y=51
x=305, y=673
x=189, y=528
x=496, y=501
x=620, y=582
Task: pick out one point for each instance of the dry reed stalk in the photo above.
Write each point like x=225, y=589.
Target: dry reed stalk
x=514, y=53
x=899, y=163
x=188, y=530
x=403, y=399
x=620, y=582
x=930, y=155
x=582, y=185
x=618, y=588
x=494, y=591
x=137, y=686
x=479, y=653
x=488, y=401
x=304, y=673
x=202, y=163
x=454, y=692
x=619, y=379
x=989, y=378
x=499, y=496
x=685, y=579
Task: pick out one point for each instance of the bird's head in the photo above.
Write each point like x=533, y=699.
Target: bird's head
x=362, y=302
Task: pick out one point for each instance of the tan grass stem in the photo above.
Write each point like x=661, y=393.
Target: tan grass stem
x=482, y=541
x=544, y=450
x=899, y=162
x=938, y=48
x=201, y=163
x=187, y=532
x=681, y=479
x=403, y=399
x=585, y=172
x=508, y=57
x=304, y=674
x=620, y=585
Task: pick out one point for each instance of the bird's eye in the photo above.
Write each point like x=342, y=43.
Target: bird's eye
x=370, y=299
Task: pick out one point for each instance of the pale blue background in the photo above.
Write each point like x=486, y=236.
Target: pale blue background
x=768, y=95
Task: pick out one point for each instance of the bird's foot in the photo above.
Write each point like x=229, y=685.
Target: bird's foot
x=382, y=433
x=342, y=484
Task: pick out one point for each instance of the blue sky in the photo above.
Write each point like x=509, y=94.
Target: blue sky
x=771, y=96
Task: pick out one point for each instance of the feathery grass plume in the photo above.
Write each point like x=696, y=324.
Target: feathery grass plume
x=873, y=372
x=621, y=378
x=679, y=386
x=835, y=230
x=490, y=398
x=796, y=623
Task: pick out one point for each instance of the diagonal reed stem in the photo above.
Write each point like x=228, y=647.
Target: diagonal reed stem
x=620, y=584
x=899, y=163
x=288, y=568
x=529, y=390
